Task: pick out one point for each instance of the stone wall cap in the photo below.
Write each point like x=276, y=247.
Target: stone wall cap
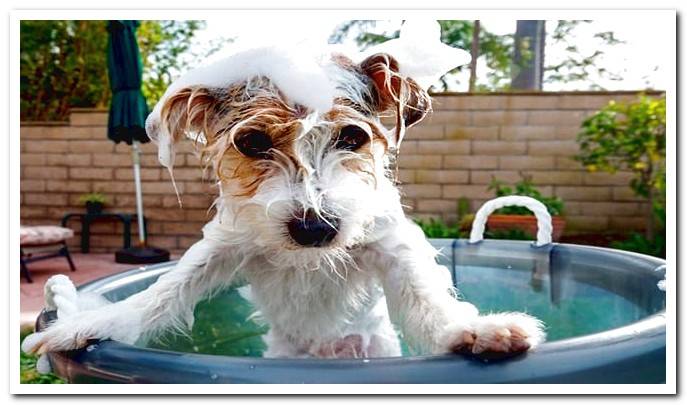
x=549, y=93
x=80, y=110
x=44, y=123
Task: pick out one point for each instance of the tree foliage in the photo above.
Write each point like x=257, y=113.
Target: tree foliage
x=64, y=63
x=457, y=33
x=578, y=65
x=630, y=137
x=497, y=51
x=162, y=44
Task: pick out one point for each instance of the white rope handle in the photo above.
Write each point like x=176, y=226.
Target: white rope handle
x=543, y=217
x=662, y=283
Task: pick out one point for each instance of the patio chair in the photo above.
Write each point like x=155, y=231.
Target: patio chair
x=40, y=242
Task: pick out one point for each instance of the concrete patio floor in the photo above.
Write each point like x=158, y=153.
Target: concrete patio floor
x=88, y=267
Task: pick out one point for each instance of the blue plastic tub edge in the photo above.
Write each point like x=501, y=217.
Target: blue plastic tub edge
x=633, y=353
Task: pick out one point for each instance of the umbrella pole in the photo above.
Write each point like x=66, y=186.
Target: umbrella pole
x=136, y=155
x=140, y=254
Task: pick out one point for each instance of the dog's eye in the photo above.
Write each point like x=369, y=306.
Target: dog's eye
x=254, y=144
x=351, y=137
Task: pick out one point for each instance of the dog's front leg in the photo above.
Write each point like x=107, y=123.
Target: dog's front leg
x=421, y=299
x=169, y=302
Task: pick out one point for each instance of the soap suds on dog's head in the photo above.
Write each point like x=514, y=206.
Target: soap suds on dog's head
x=309, y=77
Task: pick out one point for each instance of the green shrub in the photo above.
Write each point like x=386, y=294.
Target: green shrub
x=631, y=137
x=637, y=242
x=510, y=234
x=436, y=228
x=28, y=373
x=524, y=187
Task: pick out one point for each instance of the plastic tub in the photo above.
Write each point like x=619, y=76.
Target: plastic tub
x=603, y=310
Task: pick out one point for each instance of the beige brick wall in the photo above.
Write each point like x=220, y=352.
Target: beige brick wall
x=506, y=136
x=453, y=154
x=62, y=161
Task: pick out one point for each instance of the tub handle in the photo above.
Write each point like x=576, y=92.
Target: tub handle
x=662, y=283
x=544, y=227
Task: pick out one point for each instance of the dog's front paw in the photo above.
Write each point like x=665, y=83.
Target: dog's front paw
x=60, y=295
x=57, y=337
x=499, y=333
x=51, y=340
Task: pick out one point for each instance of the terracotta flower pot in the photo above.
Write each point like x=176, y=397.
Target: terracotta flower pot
x=525, y=223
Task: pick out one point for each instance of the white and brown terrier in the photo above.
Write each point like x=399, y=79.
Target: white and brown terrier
x=308, y=212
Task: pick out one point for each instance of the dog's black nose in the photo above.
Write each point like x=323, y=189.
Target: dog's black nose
x=313, y=230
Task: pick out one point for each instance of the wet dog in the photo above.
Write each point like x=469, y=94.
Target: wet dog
x=308, y=212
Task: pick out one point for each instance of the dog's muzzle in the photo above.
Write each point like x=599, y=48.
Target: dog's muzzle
x=311, y=230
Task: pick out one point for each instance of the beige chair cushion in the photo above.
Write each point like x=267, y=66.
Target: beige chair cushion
x=43, y=235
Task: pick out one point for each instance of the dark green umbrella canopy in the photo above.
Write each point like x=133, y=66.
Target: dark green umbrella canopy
x=128, y=109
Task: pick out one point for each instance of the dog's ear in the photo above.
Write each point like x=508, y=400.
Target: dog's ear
x=393, y=92
x=187, y=111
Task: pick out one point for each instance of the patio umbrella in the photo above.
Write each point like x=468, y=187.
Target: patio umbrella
x=126, y=122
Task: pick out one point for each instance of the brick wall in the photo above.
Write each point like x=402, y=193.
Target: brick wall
x=62, y=161
x=453, y=154
x=471, y=138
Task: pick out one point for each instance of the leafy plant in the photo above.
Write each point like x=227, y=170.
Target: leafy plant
x=525, y=187
x=630, y=137
x=28, y=372
x=63, y=63
x=162, y=45
x=509, y=234
x=436, y=228
x=640, y=244
x=96, y=198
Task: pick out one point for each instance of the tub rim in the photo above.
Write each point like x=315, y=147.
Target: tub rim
x=651, y=328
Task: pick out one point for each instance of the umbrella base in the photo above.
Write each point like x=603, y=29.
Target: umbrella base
x=141, y=255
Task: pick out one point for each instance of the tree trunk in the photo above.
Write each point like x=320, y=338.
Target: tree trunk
x=474, y=53
x=528, y=58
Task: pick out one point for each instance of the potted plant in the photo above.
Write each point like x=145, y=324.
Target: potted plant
x=94, y=202
x=520, y=218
